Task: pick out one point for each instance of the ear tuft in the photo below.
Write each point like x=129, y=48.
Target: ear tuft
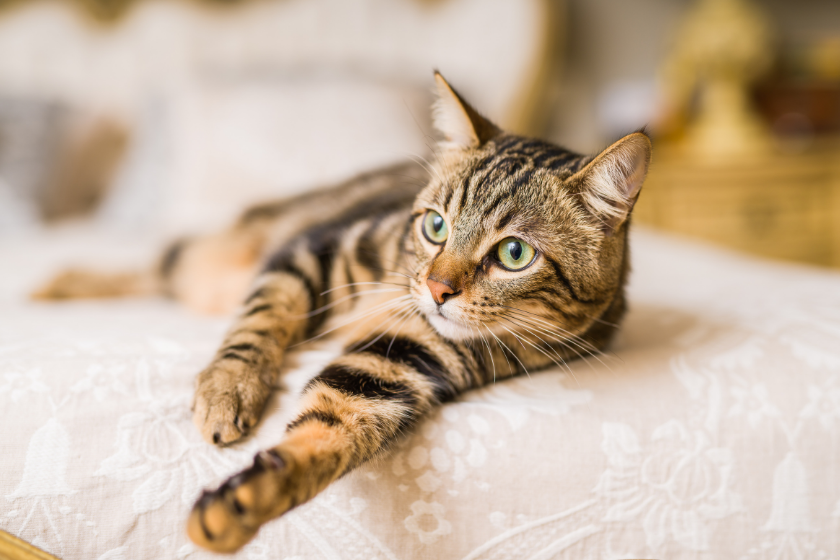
x=610, y=183
x=461, y=125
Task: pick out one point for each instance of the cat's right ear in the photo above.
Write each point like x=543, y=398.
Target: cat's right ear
x=461, y=125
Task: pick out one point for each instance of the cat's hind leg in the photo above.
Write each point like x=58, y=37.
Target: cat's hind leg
x=210, y=274
x=81, y=283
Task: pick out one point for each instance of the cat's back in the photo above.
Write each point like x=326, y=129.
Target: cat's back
x=364, y=196
x=213, y=273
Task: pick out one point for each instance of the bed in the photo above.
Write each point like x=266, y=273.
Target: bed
x=710, y=429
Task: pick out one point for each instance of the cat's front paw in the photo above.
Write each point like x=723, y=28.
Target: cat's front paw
x=227, y=518
x=229, y=400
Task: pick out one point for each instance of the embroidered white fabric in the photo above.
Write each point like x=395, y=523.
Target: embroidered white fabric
x=710, y=430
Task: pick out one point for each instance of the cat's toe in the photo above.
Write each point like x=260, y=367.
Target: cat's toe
x=214, y=524
x=226, y=409
x=218, y=421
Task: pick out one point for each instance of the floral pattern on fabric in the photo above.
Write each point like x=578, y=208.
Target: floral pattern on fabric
x=711, y=429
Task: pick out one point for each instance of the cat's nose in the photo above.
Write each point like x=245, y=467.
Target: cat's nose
x=440, y=291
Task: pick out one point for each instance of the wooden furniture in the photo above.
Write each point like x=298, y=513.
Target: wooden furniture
x=13, y=548
x=782, y=204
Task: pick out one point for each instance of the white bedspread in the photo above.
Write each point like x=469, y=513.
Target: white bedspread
x=711, y=430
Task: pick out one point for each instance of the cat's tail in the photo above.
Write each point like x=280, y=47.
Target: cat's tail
x=79, y=284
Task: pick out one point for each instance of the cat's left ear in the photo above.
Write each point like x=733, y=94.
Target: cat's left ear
x=610, y=184
x=460, y=124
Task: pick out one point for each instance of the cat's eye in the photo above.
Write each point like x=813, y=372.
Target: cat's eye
x=515, y=254
x=435, y=228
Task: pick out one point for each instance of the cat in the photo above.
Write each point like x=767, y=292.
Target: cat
x=504, y=255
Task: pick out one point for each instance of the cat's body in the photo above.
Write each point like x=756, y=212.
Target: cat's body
x=505, y=255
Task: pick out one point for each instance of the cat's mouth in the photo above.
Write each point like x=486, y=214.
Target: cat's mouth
x=447, y=326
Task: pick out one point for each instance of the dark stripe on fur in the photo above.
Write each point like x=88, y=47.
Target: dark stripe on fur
x=367, y=253
x=464, y=193
x=325, y=417
x=258, y=309
x=260, y=293
x=558, y=271
x=282, y=261
x=265, y=211
x=360, y=383
x=505, y=220
x=235, y=356
x=171, y=256
x=450, y=191
x=405, y=237
x=458, y=349
x=244, y=346
x=419, y=358
x=323, y=241
x=551, y=298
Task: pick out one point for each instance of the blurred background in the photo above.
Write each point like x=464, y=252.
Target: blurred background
x=144, y=119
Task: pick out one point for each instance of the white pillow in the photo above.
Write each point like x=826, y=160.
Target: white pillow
x=244, y=142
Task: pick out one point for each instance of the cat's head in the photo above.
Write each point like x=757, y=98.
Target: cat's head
x=515, y=233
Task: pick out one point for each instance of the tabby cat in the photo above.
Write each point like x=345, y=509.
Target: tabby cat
x=504, y=256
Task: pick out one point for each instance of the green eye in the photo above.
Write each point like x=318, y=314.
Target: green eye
x=515, y=254
x=434, y=227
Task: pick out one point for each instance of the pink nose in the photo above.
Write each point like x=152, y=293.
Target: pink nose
x=440, y=291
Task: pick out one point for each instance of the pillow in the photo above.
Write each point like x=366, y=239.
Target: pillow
x=240, y=142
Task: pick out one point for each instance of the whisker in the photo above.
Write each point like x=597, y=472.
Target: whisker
x=412, y=313
x=534, y=318
x=510, y=369
x=490, y=352
x=379, y=268
x=499, y=341
x=428, y=139
x=588, y=349
x=343, y=299
x=394, y=302
x=391, y=321
x=599, y=320
x=423, y=162
x=383, y=257
x=561, y=340
x=361, y=284
x=561, y=363
x=540, y=319
x=527, y=327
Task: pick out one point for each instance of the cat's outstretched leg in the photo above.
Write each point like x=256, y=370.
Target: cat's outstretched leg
x=353, y=410
x=231, y=392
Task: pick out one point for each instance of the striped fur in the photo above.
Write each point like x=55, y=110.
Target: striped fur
x=353, y=262
x=365, y=274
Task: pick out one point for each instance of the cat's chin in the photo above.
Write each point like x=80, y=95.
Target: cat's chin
x=448, y=328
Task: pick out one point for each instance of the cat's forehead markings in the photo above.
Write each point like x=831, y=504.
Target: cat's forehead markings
x=443, y=195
